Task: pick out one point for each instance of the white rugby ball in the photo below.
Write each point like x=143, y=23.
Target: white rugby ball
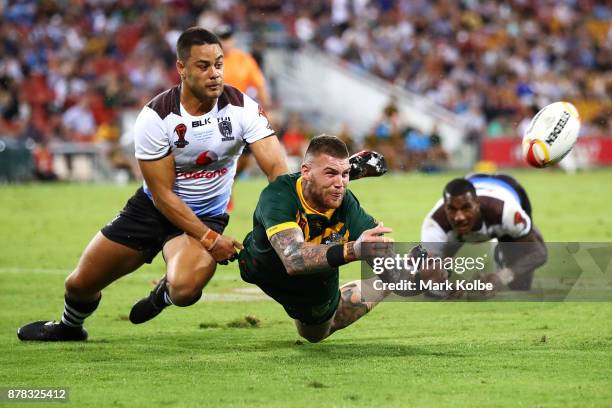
x=551, y=135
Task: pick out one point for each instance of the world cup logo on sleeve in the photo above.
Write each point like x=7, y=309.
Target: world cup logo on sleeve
x=180, y=130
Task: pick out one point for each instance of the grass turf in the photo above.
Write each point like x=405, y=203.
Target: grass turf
x=419, y=354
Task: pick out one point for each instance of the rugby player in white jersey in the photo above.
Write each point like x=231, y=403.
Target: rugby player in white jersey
x=187, y=142
x=480, y=208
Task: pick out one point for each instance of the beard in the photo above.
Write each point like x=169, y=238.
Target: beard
x=322, y=199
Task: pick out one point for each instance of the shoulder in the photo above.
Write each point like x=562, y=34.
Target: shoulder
x=281, y=189
x=491, y=209
x=166, y=103
x=286, y=182
x=350, y=200
x=231, y=97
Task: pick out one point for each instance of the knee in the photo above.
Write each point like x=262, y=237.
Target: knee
x=312, y=338
x=77, y=286
x=184, y=294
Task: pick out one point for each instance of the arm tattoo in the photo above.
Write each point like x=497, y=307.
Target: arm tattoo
x=299, y=257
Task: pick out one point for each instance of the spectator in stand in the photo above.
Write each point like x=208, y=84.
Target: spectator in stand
x=43, y=163
x=79, y=122
x=240, y=68
x=385, y=137
x=500, y=56
x=11, y=111
x=416, y=147
x=437, y=158
x=295, y=136
x=345, y=135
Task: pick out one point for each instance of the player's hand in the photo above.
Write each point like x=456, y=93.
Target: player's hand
x=373, y=243
x=225, y=249
x=367, y=164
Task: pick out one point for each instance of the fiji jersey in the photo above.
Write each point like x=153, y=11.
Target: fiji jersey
x=501, y=216
x=282, y=206
x=205, y=148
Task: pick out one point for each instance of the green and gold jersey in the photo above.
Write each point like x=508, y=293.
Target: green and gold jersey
x=282, y=206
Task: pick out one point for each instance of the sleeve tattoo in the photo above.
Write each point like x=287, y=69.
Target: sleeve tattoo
x=298, y=256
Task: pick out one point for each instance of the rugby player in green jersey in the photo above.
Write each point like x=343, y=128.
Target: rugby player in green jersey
x=305, y=226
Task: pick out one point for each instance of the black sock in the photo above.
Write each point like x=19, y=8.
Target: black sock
x=76, y=312
x=161, y=296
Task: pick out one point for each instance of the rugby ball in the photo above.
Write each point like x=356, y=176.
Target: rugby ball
x=551, y=135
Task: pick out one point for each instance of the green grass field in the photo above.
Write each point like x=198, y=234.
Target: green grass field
x=402, y=354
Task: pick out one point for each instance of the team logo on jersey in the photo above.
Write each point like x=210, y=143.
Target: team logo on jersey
x=207, y=157
x=180, y=130
x=225, y=127
x=335, y=238
x=518, y=219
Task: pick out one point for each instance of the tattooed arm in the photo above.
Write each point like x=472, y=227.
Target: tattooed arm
x=299, y=257
x=304, y=258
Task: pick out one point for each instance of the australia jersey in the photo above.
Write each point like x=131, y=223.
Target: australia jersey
x=205, y=148
x=282, y=206
x=502, y=216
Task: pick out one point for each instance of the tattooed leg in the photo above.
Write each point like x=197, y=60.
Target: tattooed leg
x=351, y=306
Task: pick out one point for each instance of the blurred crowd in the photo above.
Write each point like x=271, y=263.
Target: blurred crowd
x=495, y=62
x=69, y=68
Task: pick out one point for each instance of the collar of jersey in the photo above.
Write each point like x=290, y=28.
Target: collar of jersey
x=309, y=210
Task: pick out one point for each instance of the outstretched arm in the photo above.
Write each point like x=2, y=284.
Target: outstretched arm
x=303, y=258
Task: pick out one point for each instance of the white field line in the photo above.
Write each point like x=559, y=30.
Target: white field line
x=66, y=272
x=236, y=295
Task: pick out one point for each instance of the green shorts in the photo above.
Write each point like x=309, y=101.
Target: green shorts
x=311, y=299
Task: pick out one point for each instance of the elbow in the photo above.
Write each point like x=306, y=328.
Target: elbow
x=542, y=256
x=160, y=198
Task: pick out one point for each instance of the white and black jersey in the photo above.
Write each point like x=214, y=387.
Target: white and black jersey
x=502, y=213
x=205, y=148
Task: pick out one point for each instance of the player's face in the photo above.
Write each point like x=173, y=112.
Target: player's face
x=202, y=72
x=326, y=179
x=462, y=212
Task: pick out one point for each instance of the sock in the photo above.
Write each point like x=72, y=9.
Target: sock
x=167, y=299
x=76, y=312
x=161, y=297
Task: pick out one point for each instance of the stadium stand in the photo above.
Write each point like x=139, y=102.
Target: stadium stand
x=67, y=74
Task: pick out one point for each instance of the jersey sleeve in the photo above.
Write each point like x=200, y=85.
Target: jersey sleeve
x=151, y=140
x=515, y=221
x=277, y=210
x=255, y=122
x=357, y=219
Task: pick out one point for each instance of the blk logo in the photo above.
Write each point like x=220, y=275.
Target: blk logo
x=180, y=131
x=207, y=157
x=198, y=123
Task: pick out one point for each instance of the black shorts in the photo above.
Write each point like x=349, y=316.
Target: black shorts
x=142, y=227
